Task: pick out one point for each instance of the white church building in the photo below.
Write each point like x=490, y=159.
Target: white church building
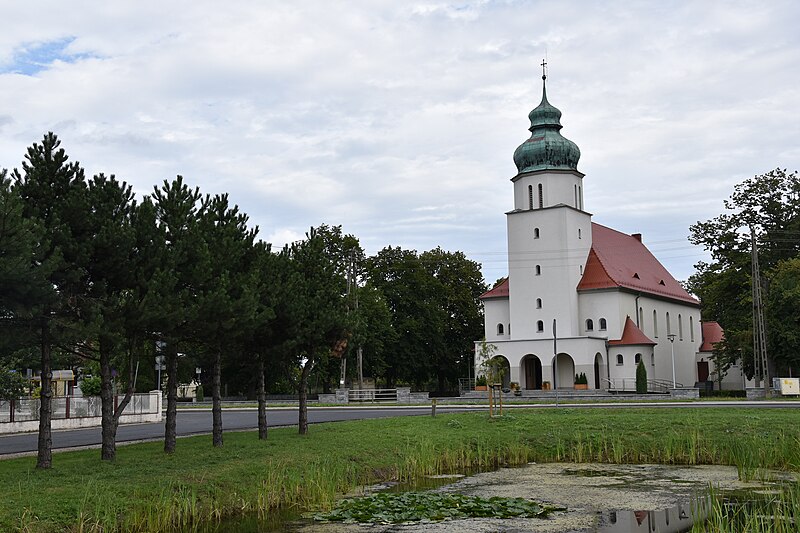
x=609, y=300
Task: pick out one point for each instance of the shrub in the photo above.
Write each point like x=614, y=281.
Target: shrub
x=12, y=384
x=481, y=381
x=90, y=386
x=199, y=393
x=641, y=378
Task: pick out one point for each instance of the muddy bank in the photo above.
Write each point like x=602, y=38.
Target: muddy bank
x=598, y=497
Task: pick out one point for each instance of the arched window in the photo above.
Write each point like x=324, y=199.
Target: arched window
x=669, y=326
x=580, y=198
x=691, y=328
x=530, y=196
x=541, y=196
x=576, y=196
x=641, y=318
x=535, y=233
x=538, y=303
x=509, y=328
x=538, y=270
x=637, y=358
x=579, y=233
x=499, y=329
x=652, y=359
x=603, y=324
x=589, y=325
x=539, y=326
x=620, y=360
x=680, y=327
x=655, y=324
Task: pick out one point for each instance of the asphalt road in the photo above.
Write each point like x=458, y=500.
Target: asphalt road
x=194, y=422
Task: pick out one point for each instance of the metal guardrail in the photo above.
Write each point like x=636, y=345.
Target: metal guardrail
x=66, y=407
x=372, y=395
x=466, y=384
x=629, y=385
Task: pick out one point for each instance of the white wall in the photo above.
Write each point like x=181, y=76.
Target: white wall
x=496, y=312
x=560, y=254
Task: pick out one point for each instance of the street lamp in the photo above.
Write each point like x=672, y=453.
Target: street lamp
x=671, y=338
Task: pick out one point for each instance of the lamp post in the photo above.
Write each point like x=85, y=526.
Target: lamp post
x=671, y=338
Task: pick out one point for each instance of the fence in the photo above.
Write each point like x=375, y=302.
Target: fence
x=75, y=411
x=629, y=385
x=372, y=395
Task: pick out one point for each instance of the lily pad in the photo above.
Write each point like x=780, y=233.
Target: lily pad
x=395, y=508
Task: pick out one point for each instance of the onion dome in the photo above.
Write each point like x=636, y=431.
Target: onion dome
x=546, y=149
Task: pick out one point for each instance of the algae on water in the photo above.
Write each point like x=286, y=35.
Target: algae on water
x=394, y=508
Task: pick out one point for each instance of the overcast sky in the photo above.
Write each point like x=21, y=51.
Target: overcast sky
x=398, y=120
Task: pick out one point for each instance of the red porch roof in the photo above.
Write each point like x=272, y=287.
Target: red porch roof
x=712, y=334
x=498, y=291
x=632, y=335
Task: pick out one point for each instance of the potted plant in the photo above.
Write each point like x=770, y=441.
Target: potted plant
x=545, y=385
x=480, y=383
x=581, y=382
x=515, y=388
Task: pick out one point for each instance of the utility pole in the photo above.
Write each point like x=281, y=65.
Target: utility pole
x=760, y=360
x=343, y=374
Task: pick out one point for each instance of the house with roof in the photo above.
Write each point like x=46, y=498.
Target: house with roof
x=581, y=297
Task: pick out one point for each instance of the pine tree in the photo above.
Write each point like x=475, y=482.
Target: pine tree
x=53, y=193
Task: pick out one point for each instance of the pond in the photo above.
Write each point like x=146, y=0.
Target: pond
x=596, y=497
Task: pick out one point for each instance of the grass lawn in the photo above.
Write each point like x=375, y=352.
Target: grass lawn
x=146, y=490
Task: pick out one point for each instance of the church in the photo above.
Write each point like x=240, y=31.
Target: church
x=580, y=297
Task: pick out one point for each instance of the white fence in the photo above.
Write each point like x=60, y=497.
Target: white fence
x=75, y=411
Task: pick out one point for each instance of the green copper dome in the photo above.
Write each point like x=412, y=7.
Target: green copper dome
x=546, y=149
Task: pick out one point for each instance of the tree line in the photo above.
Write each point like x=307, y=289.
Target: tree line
x=768, y=207
x=91, y=275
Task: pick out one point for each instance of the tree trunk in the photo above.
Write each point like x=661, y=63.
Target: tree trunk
x=108, y=449
x=262, y=402
x=109, y=430
x=302, y=392
x=216, y=400
x=44, y=458
x=172, y=397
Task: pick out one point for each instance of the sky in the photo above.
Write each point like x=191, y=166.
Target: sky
x=398, y=120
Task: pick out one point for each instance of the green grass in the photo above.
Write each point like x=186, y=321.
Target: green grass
x=146, y=490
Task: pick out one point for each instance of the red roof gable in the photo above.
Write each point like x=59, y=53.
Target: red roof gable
x=498, y=291
x=712, y=334
x=632, y=335
x=617, y=260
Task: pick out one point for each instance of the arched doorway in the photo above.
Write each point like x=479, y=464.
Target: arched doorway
x=505, y=368
x=531, y=372
x=598, y=371
x=563, y=371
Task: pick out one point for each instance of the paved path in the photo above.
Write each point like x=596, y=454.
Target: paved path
x=198, y=421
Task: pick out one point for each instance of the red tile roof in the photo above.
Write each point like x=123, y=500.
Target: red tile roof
x=617, y=260
x=632, y=335
x=498, y=291
x=712, y=334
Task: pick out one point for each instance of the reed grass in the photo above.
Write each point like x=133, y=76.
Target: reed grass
x=145, y=490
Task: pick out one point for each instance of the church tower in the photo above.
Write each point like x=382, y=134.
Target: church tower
x=549, y=233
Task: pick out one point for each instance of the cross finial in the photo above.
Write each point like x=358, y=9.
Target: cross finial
x=544, y=69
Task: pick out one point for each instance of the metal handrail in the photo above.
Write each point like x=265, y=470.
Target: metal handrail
x=372, y=395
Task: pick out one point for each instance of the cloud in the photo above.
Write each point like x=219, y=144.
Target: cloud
x=399, y=121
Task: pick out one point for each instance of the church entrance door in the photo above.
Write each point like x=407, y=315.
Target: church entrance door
x=532, y=369
x=598, y=367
